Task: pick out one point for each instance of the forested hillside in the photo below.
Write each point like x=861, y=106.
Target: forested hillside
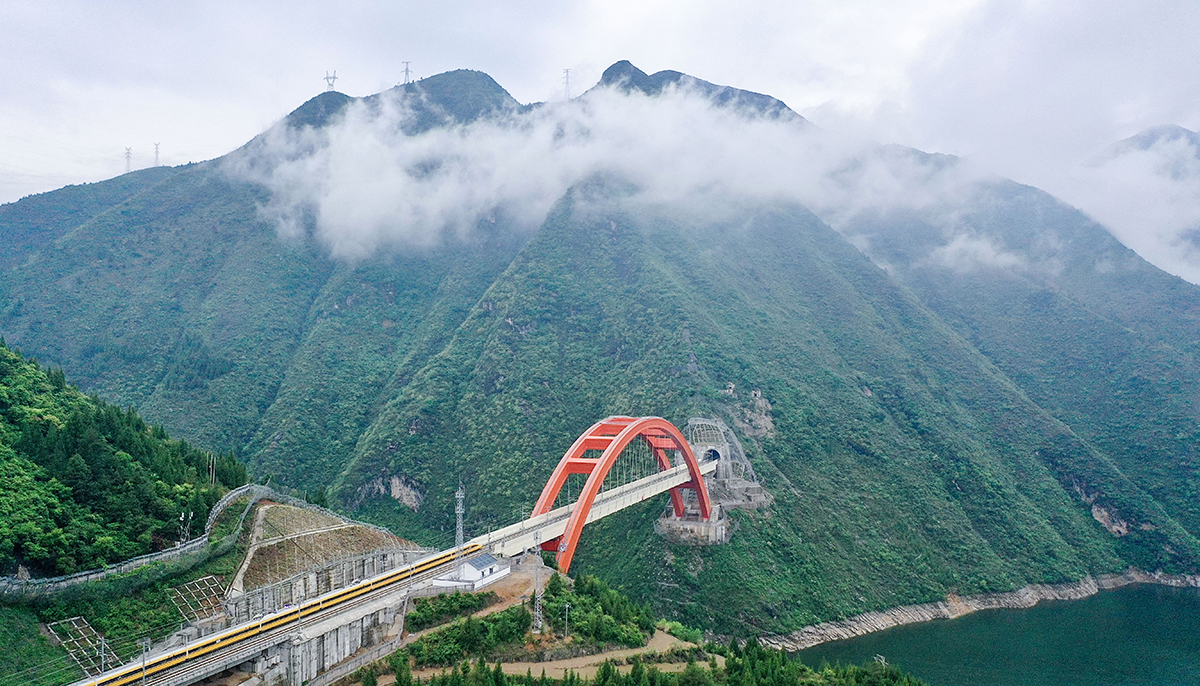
x=905, y=465
x=1092, y=333
x=84, y=483
x=1004, y=395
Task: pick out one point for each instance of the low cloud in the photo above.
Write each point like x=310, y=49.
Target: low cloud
x=967, y=253
x=1148, y=196
x=361, y=184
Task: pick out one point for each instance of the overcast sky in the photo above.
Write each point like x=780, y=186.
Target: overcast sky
x=1028, y=89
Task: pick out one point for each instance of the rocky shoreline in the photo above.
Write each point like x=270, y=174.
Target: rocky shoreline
x=957, y=606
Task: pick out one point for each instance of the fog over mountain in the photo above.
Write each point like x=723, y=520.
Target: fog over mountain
x=1146, y=190
x=369, y=181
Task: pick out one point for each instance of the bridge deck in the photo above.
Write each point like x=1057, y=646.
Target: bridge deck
x=516, y=538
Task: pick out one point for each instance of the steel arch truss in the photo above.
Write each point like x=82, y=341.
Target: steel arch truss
x=611, y=436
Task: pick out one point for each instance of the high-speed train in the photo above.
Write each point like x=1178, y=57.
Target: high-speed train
x=134, y=672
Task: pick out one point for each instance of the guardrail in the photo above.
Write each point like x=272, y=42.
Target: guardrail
x=12, y=588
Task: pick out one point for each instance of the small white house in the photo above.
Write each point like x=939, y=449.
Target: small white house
x=483, y=570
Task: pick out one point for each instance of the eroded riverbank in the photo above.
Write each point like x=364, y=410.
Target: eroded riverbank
x=956, y=606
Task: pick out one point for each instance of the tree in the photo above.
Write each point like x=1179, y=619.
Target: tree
x=555, y=586
x=694, y=675
x=399, y=664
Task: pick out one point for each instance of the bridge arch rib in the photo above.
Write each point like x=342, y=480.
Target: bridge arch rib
x=612, y=435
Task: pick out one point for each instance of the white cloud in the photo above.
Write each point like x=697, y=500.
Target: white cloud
x=1150, y=200
x=366, y=185
x=966, y=253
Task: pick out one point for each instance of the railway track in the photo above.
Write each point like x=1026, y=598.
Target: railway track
x=218, y=652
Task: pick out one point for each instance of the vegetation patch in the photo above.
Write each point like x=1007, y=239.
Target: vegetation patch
x=84, y=483
x=471, y=636
x=749, y=666
x=28, y=656
x=589, y=610
x=430, y=612
x=680, y=631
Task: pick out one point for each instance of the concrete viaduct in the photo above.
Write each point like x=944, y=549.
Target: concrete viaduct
x=305, y=640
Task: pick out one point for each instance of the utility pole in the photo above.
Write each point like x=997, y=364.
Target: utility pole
x=566, y=619
x=407, y=72
x=329, y=79
x=128, y=160
x=145, y=644
x=103, y=653
x=459, y=495
x=567, y=82
x=156, y=154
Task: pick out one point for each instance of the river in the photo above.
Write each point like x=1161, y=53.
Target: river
x=1137, y=635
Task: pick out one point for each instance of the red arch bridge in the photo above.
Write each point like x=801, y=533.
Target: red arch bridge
x=602, y=456
x=618, y=462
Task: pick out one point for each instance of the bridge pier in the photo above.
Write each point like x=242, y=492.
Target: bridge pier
x=692, y=529
x=323, y=645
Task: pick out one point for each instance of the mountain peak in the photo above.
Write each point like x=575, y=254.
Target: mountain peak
x=462, y=95
x=624, y=74
x=318, y=110
x=1158, y=134
x=626, y=77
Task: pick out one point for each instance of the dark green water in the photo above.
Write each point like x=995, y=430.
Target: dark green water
x=1137, y=635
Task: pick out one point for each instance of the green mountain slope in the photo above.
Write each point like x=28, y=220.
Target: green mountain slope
x=939, y=427
x=41, y=219
x=906, y=466
x=181, y=300
x=1102, y=340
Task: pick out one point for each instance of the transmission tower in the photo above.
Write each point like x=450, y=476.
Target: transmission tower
x=329, y=79
x=459, y=495
x=537, y=584
x=128, y=160
x=156, y=154
x=567, y=82
x=407, y=72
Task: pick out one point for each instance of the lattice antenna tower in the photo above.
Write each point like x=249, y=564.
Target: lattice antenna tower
x=459, y=496
x=567, y=82
x=128, y=160
x=537, y=584
x=185, y=526
x=329, y=79
x=407, y=72
x=156, y=154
